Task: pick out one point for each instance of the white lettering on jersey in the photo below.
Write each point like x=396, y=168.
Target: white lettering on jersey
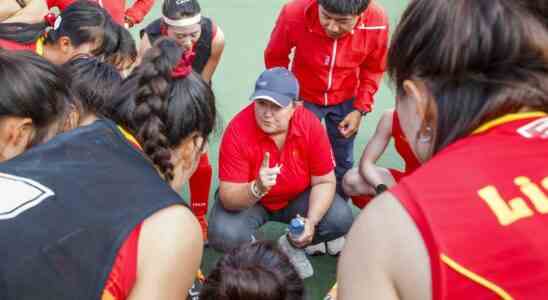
x=536, y=129
x=18, y=194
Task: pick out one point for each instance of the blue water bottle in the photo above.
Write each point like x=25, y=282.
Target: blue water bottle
x=296, y=228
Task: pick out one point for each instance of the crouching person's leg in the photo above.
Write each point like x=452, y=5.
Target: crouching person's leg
x=335, y=223
x=230, y=229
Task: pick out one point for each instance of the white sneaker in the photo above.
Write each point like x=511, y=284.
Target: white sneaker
x=317, y=249
x=334, y=247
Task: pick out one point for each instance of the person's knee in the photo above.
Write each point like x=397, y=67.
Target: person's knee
x=225, y=237
x=339, y=217
x=351, y=182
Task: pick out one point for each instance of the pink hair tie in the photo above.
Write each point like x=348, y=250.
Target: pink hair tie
x=184, y=66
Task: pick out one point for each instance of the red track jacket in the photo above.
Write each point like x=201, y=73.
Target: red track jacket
x=331, y=71
x=116, y=8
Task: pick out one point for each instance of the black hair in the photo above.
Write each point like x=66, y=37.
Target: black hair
x=94, y=83
x=33, y=88
x=345, y=7
x=162, y=111
x=178, y=9
x=123, y=48
x=83, y=22
x=537, y=7
x=479, y=59
x=254, y=271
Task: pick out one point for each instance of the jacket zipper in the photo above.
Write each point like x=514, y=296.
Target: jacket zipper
x=331, y=67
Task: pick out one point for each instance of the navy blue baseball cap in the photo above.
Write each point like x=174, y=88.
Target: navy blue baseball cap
x=278, y=86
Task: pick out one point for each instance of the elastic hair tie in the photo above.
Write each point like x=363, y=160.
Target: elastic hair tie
x=184, y=66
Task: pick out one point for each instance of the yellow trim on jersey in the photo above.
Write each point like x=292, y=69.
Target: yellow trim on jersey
x=40, y=46
x=476, y=278
x=508, y=118
x=107, y=296
x=129, y=136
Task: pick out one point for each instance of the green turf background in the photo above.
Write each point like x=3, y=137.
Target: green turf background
x=247, y=25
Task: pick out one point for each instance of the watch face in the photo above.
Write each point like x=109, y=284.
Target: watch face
x=379, y=189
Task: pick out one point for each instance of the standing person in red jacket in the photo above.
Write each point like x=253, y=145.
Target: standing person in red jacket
x=472, y=84
x=182, y=20
x=117, y=9
x=339, y=58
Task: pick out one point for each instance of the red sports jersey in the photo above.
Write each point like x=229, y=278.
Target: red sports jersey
x=481, y=206
x=123, y=275
x=403, y=147
x=15, y=46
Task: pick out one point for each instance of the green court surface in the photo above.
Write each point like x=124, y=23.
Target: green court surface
x=247, y=25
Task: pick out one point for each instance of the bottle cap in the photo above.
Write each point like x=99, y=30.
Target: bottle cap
x=296, y=226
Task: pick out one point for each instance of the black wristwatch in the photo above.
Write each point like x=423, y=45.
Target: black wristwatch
x=379, y=189
x=363, y=113
x=21, y=3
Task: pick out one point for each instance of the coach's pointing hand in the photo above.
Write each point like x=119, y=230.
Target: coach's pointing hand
x=267, y=176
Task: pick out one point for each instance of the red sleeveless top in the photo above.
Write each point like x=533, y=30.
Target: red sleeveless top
x=403, y=147
x=481, y=206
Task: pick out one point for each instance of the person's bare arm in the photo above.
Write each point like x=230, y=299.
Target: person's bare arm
x=170, y=252
x=384, y=256
x=236, y=196
x=374, y=150
x=322, y=193
x=217, y=48
x=33, y=12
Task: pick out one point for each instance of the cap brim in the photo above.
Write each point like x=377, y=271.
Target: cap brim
x=273, y=97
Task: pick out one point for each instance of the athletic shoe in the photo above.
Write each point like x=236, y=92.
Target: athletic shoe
x=317, y=249
x=335, y=246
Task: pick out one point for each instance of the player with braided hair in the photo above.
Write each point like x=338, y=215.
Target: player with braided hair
x=183, y=21
x=129, y=232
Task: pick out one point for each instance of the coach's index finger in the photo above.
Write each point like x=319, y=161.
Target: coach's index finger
x=266, y=160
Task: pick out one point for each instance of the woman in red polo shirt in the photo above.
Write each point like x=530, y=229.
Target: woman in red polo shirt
x=79, y=30
x=368, y=180
x=182, y=21
x=276, y=162
x=472, y=84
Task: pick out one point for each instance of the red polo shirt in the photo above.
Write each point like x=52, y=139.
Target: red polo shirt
x=306, y=152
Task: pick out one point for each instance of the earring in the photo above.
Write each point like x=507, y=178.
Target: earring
x=426, y=135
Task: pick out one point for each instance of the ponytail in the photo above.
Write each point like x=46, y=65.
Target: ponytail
x=161, y=111
x=83, y=22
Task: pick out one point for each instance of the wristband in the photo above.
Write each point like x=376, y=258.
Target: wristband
x=379, y=189
x=255, y=191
